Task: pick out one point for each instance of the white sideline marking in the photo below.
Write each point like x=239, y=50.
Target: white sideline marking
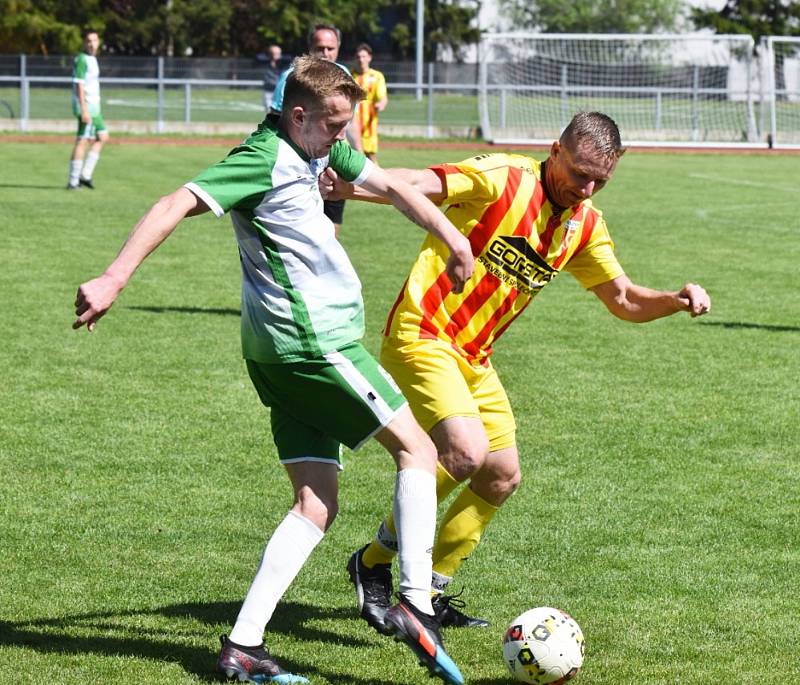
x=752, y=184
x=197, y=103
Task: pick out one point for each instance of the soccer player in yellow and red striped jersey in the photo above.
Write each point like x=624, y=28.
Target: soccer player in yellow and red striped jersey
x=373, y=84
x=527, y=221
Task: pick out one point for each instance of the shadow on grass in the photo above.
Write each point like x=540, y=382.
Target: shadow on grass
x=773, y=328
x=31, y=186
x=91, y=633
x=187, y=310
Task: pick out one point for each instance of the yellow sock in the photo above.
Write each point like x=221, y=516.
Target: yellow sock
x=384, y=547
x=460, y=531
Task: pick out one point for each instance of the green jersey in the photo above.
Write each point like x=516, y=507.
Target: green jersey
x=85, y=70
x=301, y=297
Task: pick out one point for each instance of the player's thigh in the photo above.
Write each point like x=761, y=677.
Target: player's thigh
x=494, y=407
x=85, y=131
x=344, y=395
x=100, y=128
x=432, y=378
x=409, y=445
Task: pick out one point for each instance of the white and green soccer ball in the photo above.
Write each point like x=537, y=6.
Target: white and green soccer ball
x=543, y=645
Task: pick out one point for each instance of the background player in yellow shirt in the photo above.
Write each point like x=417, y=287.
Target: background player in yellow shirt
x=374, y=85
x=526, y=222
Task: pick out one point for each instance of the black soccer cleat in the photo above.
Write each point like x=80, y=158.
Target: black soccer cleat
x=73, y=187
x=373, y=589
x=252, y=664
x=447, y=608
x=86, y=183
x=421, y=633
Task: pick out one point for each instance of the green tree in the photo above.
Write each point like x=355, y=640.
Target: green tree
x=447, y=23
x=256, y=23
x=756, y=17
x=45, y=26
x=596, y=16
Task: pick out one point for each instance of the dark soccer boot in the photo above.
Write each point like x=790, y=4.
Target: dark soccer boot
x=253, y=664
x=86, y=183
x=421, y=632
x=447, y=608
x=373, y=589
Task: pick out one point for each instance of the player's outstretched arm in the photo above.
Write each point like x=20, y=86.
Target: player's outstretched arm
x=95, y=297
x=423, y=212
x=632, y=302
x=425, y=181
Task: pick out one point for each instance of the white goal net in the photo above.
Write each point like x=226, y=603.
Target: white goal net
x=660, y=89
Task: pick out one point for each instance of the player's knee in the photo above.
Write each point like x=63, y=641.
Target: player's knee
x=496, y=485
x=320, y=510
x=509, y=484
x=462, y=460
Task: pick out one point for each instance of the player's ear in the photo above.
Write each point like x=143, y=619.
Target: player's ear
x=298, y=115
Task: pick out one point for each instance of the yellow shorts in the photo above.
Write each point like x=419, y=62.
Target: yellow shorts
x=439, y=384
x=369, y=143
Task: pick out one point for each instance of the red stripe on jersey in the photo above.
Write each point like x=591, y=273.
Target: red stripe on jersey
x=471, y=304
x=546, y=237
x=589, y=221
x=479, y=236
x=394, y=308
x=432, y=300
x=489, y=283
x=483, y=231
x=473, y=347
x=565, y=240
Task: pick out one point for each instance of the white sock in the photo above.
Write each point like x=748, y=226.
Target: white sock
x=415, y=521
x=287, y=550
x=88, y=165
x=74, y=171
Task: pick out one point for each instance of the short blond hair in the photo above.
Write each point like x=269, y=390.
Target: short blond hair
x=312, y=80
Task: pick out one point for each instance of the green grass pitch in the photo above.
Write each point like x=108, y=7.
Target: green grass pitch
x=661, y=490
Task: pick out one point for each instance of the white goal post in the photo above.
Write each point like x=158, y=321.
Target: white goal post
x=675, y=89
x=780, y=57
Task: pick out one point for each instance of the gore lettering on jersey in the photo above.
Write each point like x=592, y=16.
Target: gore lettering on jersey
x=516, y=263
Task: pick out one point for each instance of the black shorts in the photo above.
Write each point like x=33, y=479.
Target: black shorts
x=334, y=210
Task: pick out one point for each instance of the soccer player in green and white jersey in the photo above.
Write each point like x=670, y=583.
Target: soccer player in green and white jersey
x=86, y=107
x=302, y=319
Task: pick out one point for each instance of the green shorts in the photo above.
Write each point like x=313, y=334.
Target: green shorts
x=317, y=405
x=91, y=130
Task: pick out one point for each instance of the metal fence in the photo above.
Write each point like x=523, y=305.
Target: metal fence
x=209, y=96
x=160, y=95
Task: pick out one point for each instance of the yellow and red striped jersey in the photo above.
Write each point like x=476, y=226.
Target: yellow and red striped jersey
x=498, y=201
x=374, y=85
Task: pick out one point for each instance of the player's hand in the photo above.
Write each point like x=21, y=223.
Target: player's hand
x=94, y=299
x=695, y=299
x=460, y=264
x=86, y=118
x=332, y=187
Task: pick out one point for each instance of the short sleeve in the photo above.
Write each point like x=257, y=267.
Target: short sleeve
x=237, y=182
x=80, y=68
x=595, y=262
x=350, y=164
x=464, y=182
x=380, y=89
